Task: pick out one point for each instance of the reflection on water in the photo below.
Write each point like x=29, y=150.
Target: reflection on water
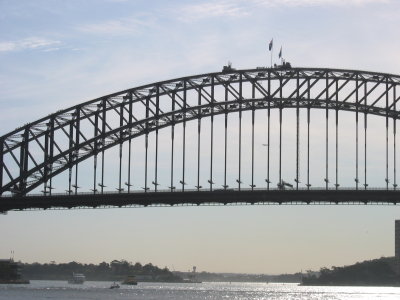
x=39, y=289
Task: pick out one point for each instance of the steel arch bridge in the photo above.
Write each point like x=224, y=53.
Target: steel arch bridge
x=31, y=156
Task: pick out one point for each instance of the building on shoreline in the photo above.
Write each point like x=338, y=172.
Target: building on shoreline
x=397, y=245
x=10, y=272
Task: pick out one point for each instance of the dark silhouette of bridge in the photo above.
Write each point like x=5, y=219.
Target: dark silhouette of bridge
x=34, y=155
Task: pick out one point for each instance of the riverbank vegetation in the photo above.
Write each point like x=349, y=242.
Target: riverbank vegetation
x=113, y=271
x=377, y=272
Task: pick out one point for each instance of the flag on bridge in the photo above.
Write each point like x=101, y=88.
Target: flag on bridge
x=280, y=53
x=271, y=44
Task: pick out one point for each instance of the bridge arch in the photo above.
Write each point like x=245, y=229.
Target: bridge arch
x=64, y=139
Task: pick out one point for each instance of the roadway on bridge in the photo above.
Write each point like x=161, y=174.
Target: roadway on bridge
x=203, y=197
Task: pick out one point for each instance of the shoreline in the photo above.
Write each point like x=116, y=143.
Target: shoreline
x=351, y=284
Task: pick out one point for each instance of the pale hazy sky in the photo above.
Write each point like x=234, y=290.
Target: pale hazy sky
x=55, y=54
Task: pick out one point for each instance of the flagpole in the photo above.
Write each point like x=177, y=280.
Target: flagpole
x=272, y=52
x=271, y=44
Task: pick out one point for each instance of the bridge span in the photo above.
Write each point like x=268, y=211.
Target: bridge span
x=205, y=132
x=204, y=198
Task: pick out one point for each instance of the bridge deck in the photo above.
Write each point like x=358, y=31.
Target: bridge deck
x=216, y=197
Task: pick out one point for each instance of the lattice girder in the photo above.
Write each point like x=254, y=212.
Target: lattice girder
x=36, y=152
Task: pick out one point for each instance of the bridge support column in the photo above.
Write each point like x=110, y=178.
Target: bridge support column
x=394, y=140
x=46, y=159
x=70, y=158
x=184, y=135
x=1, y=165
x=130, y=142
x=23, y=162
x=51, y=154
x=172, y=143
x=76, y=154
x=212, y=134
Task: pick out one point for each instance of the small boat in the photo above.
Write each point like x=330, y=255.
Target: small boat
x=114, y=286
x=77, y=278
x=130, y=280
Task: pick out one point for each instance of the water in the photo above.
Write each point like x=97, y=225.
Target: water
x=61, y=290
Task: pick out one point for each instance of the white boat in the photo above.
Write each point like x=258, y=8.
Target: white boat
x=77, y=278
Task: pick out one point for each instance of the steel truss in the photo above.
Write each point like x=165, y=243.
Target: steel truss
x=60, y=143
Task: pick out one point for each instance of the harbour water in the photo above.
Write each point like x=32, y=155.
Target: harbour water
x=60, y=290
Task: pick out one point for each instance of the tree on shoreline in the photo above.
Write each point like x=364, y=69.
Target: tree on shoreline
x=373, y=272
x=114, y=271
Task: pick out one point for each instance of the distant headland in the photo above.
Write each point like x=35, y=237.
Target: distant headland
x=377, y=272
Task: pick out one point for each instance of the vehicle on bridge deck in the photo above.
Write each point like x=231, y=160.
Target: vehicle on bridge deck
x=285, y=185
